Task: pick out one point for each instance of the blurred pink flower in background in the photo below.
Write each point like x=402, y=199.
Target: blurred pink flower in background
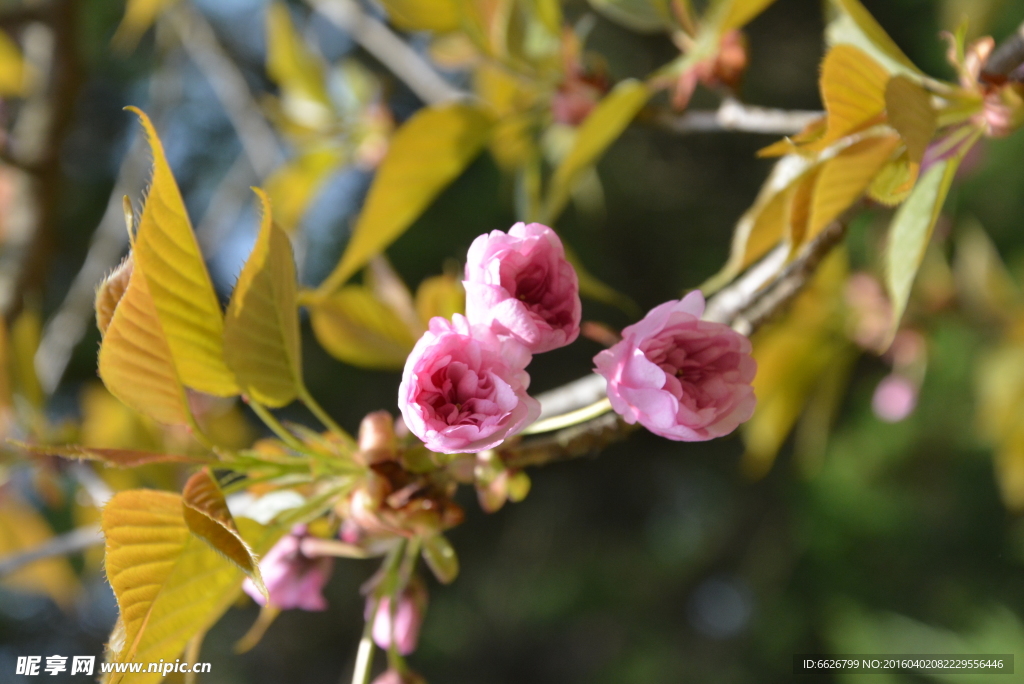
x=293, y=580
x=521, y=285
x=895, y=398
x=678, y=376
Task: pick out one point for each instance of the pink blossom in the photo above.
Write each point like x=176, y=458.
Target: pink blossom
x=408, y=618
x=464, y=389
x=520, y=285
x=678, y=376
x=293, y=580
x=895, y=398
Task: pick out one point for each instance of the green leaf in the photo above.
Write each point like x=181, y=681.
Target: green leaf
x=599, y=130
x=909, y=110
x=299, y=72
x=296, y=183
x=855, y=26
x=909, y=233
x=441, y=558
x=167, y=252
x=207, y=516
x=262, y=324
x=357, y=328
x=425, y=155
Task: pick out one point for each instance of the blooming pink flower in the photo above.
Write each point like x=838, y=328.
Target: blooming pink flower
x=464, y=389
x=520, y=285
x=293, y=580
x=678, y=376
x=407, y=619
x=895, y=398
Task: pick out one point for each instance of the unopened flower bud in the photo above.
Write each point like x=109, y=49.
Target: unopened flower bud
x=396, y=677
x=377, y=437
x=404, y=624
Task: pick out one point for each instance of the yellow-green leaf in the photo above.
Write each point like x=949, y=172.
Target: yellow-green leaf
x=25, y=334
x=441, y=295
x=117, y=458
x=295, y=184
x=262, y=324
x=599, y=130
x=135, y=361
x=856, y=26
x=299, y=72
x=110, y=291
x=167, y=252
x=741, y=12
x=441, y=558
x=416, y=15
x=207, y=516
x=170, y=585
x=638, y=15
x=139, y=15
x=894, y=181
x=909, y=110
x=12, y=68
x=853, y=90
x=845, y=177
x=426, y=154
x=357, y=328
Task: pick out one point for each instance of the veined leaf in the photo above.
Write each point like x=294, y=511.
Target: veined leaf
x=167, y=252
x=262, y=324
x=139, y=15
x=909, y=110
x=856, y=26
x=602, y=126
x=207, y=516
x=416, y=15
x=845, y=177
x=441, y=295
x=135, y=361
x=799, y=205
x=169, y=584
x=426, y=154
x=295, y=184
x=649, y=16
x=357, y=328
x=22, y=528
x=117, y=458
x=110, y=291
x=910, y=231
x=853, y=90
x=297, y=70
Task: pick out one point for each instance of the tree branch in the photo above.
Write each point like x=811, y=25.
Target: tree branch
x=61, y=545
x=733, y=115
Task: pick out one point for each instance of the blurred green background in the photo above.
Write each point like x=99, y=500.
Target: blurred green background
x=654, y=561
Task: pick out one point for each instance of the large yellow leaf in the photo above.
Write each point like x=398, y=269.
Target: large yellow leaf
x=856, y=26
x=207, y=516
x=22, y=529
x=599, y=130
x=167, y=252
x=426, y=154
x=356, y=327
x=135, y=361
x=845, y=177
x=262, y=324
x=909, y=110
x=416, y=15
x=295, y=184
x=853, y=91
x=170, y=585
x=297, y=70
x=139, y=15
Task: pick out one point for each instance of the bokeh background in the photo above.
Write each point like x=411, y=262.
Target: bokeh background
x=653, y=561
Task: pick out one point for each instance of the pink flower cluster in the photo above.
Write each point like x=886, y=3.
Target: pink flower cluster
x=464, y=384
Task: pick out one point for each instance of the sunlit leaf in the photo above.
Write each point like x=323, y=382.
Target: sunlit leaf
x=441, y=295
x=426, y=154
x=909, y=110
x=25, y=334
x=855, y=26
x=117, y=458
x=135, y=361
x=894, y=181
x=299, y=72
x=416, y=15
x=910, y=231
x=167, y=252
x=22, y=528
x=357, y=328
x=800, y=202
x=12, y=68
x=207, y=516
x=139, y=15
x=295, y=184
x=599, y=130
x=853, y=91
x=110, y=291
x=170, y=585
x=262, y=324
x=638, y=15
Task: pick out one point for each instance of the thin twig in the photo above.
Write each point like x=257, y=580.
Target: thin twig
x=733, y=115
x=393, y=52
x=61, y=545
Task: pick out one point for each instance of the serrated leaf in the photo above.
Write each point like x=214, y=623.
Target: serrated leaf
x=416, y=15
x=647, y=16
x=262, y=324
x=110, y=291
x=139, y=15
x=425, y=155
x=844, y=178
x=170, y=585
x=441, y=295
x=135, y=361
x=600, y=129
x=207, y=516
x=299, y=72
x=856, y=26
x=357, y=328
x=853, y=90
x=117, y=458
x=295, y=184
x=909, y=110
x=167, y=252
x=22, y=528
x=910, y=232
x=440, y=558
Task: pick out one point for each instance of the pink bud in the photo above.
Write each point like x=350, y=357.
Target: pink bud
x=678, y=376
x=408, y=618
x=521, y=285
x=464, y=389
x=895, y=398
x=395, y=677
x=292, y=579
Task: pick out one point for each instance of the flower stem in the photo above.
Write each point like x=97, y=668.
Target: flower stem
x=271, y=422
x=306, y=398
